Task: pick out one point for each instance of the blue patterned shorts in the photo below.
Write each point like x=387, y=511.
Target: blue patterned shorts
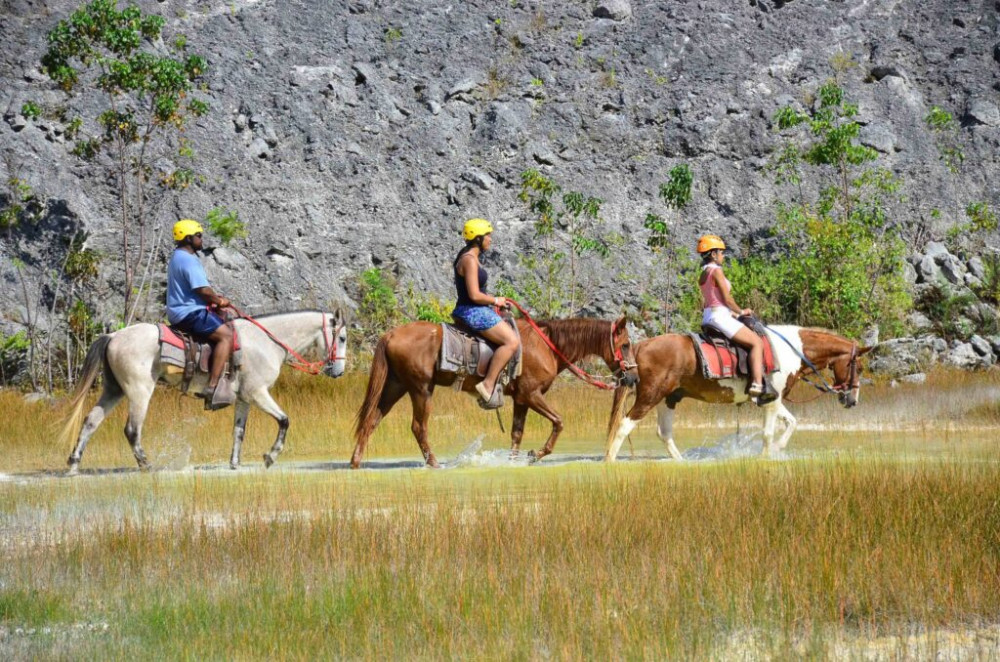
x=477, y=318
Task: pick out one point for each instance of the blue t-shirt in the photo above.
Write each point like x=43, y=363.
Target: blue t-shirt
x=184, y=275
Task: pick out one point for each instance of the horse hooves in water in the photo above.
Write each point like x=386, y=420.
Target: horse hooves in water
x=533, y=457
x=268, y=460
x=74, y=469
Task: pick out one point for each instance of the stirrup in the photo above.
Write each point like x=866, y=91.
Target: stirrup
x=494, y=401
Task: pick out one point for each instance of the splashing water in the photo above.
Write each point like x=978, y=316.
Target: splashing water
x=736, y=445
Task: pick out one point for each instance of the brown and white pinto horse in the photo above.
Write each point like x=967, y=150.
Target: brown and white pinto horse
x=669, y=372
x=406, y=362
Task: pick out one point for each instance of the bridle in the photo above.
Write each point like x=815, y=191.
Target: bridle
x=297, y=362
x=624, y=363
x=851, y=383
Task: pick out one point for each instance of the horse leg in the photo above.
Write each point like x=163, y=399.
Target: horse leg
x=108, y=400
x=517, y=428
x=770, y=418
x=262, y=398
x=138, y=404
x=665, y=428
x=644, y=401
x=239, y=429
x=390, y=396
x=790, y=423
x=537, y=403
x=421, y=400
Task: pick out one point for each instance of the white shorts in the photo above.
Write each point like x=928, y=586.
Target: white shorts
x=722, y=319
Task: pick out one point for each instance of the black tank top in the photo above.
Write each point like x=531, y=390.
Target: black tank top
x=460, y=288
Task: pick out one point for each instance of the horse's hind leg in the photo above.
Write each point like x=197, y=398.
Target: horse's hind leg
x=517, y=428
x=108, y=400
x=538, y=403
x=263, y=399
x=138, y=404
x=421, y=400
x=665, y=428
x=239, y=429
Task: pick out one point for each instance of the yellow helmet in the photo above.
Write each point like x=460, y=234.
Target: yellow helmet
x=476, y=227
x=185, y=228
x=710, y=242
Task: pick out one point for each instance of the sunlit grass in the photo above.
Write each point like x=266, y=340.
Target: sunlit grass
x=635, y=560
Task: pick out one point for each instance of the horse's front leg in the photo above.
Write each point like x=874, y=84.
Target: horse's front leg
x=263, y=399
x=537, y=403
x=239, y=430
x=665, y=428
x=517, y=428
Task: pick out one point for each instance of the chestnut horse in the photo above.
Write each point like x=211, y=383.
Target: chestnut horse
x=406, y=362
x=669, y=372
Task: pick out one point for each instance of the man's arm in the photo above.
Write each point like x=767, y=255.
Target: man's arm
x=211, y=298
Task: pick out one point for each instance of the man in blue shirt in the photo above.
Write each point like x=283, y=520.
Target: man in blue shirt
x=190, y=299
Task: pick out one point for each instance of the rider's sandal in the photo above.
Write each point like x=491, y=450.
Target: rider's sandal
x=495, y=401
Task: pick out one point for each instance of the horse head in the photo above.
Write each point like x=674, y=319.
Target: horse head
x=847, y=374
x=333, y=342
x=622, y=360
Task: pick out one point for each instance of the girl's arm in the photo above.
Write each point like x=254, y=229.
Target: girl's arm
x=468, y=268
x=727, y=294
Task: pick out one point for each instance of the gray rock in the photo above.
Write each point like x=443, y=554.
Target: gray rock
x=995, y=344
x=465, y=86
x=616, y=10
x=928, y=271
x=259, y=149
x=935, y=249
x=963, y=355
x=479, y=178
x=870, y=336
x=915, y=378
x=976, y=267
x=984, y=111
x=909, y=273
x=981, y=346
x=878, y=137
x=229, y=259
x=919, y=322
x=952, y=269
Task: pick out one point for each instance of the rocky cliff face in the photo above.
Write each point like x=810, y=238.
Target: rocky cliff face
x=361, y=133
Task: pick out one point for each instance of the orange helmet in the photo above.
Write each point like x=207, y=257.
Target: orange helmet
x=710, y=242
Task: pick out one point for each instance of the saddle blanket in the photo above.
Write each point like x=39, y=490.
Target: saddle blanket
x=465, y=354
x=180, y=351
x=720, y=358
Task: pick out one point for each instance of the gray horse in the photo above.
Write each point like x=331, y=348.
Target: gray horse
x=131, y=366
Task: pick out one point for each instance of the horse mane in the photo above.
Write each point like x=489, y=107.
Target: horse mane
x=579, y=336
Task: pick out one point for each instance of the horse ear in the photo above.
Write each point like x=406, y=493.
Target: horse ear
x=620, y=322
x=865, y=350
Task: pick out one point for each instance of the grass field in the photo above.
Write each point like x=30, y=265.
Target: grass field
x=876, y=536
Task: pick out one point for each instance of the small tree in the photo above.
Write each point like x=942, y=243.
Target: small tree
x=841, y=255
x=116, y=55
x=673, y=261
x=568, y=223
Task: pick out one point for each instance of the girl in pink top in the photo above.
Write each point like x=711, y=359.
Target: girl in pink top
x=721, y=311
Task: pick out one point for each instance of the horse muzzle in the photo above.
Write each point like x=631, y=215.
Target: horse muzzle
x=628, y=379
x=333, y=369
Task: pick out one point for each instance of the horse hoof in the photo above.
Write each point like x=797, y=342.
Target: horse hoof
x=234, y=465
x=533, y=457
x=74, y=469
x=268, y=460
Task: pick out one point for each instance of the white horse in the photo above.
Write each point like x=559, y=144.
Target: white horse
x=669, y=371
x=130, y=359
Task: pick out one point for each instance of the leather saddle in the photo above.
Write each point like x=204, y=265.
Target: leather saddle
x=192, y=355
x=720, y=358
x=464, y=352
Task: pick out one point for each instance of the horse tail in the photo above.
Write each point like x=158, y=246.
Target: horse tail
x=617, y=412
x=370, y=414
x=96, y=361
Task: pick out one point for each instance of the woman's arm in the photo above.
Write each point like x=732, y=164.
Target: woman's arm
x=727, y=294
x=468, y=268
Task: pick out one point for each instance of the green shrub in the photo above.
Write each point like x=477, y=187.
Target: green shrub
x=225, y=225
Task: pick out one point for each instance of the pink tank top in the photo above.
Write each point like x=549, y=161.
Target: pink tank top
x=710, y=292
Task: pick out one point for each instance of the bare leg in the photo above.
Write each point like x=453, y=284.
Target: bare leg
x=752, y=342
x=105, y=404
x=421, y=401
x=504, y=336
x=665, y=428
x=223, y=348
x=239, y=429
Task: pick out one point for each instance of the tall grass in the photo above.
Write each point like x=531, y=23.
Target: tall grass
x=638, y=560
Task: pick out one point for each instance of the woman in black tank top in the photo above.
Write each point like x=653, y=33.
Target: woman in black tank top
x=476, y=309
